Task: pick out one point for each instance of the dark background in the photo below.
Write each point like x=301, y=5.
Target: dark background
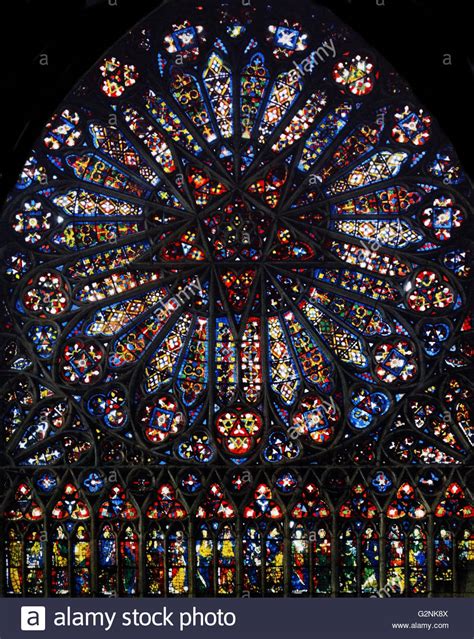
x=414, y=35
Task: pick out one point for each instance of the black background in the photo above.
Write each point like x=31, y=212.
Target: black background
x=414, y=35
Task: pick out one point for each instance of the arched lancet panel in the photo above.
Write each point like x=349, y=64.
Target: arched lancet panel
x=348, y=556
x=418, y=560
x=274, y=560
x=359, y=544
x=34, y=561
x=226, y=560
x=396, y=559
x=444, y=558
x=370, y=555
x=252, y=559
x=300, y=559
x=69, y=535
x=155, y=560
x=107, y=561
x=205, y=566
x=407, y=542
x=322, y=549
x=129, y=561
x=60, y=567
x=407, y=559
x=81, y=558
x=167, y=542
x=216, y=547
x=465, y=557
x=177, y=547
x=24, y=542
x=14, y=561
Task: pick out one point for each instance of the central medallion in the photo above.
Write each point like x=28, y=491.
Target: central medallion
x=237, y=232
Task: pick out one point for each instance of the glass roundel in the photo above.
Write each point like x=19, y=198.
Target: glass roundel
x=239, y=240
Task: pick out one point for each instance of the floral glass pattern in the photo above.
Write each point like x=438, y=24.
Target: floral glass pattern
x=237, y=323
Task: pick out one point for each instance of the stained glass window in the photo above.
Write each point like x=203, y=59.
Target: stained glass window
x=237, y=325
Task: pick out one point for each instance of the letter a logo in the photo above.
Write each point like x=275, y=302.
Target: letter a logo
x=33, y=618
